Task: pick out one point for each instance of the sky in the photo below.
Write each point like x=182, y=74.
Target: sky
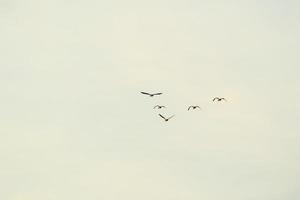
x=75, y=126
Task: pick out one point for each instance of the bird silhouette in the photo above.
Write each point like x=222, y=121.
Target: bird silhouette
x=219, y=99
x=166, y=119
x=159, y=107
x=151, y=94
x=193, y=107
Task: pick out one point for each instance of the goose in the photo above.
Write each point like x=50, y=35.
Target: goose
x=159, y=107
x=151, y=94
x=219, y=99
x=193, y=107
x=166, y=119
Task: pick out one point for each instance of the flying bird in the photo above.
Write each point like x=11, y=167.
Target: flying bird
x=166, y=119
x=151, y=94
x=159, y=107
x=219, y=99
x=193, y=107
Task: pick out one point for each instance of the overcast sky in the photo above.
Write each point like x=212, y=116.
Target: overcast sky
x=73, y=124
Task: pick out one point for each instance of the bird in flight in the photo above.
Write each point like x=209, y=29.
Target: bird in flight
x=219, y=99
x=166, y=119
x=151, y=94
x=193, y=107
x=159, y=107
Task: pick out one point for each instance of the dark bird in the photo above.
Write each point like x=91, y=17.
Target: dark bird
x=193, y=107
x=219, y=99
x=151, y=95
x=159, y=107
x=166, y=119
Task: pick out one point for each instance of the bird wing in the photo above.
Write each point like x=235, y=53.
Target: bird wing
x=190, y=107
x=157, y=93
x=145, y=93
x=198, y=107
x=156, y=106
x=162, y=116
x=171, y=117
x=223, y=99
x=215, y=98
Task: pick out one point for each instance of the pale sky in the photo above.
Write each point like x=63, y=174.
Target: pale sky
x=74, y=125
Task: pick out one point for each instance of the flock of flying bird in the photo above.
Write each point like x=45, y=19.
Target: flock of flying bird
x=189, y=108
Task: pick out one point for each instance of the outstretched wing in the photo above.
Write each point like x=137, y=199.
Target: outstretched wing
x=190, y=107
x=171, y=117
x=157, y=93
x=197, y=107
x=223, y=99
x=157, y=106
x=162, y=116
x=145, y=93
x=216, y=98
